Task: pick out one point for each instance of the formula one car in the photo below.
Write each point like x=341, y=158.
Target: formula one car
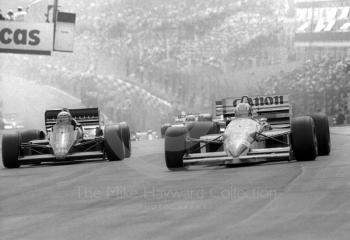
x=63, y=141
x=186, y=118
x=268, y=134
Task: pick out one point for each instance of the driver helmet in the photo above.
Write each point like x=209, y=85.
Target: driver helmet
x=64, y=117
x=205, y=117
x=243, y=110
x=190, y=118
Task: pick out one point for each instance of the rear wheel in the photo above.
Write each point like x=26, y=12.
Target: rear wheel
x=126, y=139
x=322, y=134
x=98, y=132
x=175, y=147
x=29, y=135
x=113, y=143
x=303, y=137
x=10, y=150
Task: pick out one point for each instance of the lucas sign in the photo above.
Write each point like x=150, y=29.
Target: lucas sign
x=26, y=38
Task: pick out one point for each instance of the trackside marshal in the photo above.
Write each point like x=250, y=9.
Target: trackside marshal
x=26, y=38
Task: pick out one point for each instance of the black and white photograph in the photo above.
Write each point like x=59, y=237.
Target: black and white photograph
x=174, y=119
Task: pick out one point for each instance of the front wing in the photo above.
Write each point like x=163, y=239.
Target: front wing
x=255, y=155
x=70, y=157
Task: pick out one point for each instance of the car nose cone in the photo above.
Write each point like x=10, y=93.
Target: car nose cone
x=238, y=136
x=236, y=148
x=60, y=153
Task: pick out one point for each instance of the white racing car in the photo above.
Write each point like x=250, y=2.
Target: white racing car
x=74, y=134
x=266, y=133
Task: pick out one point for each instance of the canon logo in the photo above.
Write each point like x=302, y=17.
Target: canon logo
x=19, y=36
x=261, y=101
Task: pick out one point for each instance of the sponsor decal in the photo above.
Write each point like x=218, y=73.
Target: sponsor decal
x=20, y=36
x=263, y=100
x=23, y=37
x=227, y=105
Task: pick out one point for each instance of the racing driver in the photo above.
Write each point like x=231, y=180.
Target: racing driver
x=64, y=117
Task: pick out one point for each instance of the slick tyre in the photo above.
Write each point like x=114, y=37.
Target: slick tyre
x=98, y=132
x=175, y=147
x=10, y=150
x=199, y=129
x=114, y=146
x=303, y=138
x=126, y=139
x=322, y=134
x=29, y=135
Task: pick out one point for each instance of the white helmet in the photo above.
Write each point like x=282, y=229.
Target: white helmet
x=243, y=110
x=64, y=117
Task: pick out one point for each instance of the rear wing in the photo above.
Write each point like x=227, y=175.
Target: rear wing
x=84, y=116
x=276, y=108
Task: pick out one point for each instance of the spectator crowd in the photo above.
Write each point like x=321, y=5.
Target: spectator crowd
x=18, y=16
x=182, y=52
x=118, y=100
x=318, y=86
x=219, y=34
x=152, y=59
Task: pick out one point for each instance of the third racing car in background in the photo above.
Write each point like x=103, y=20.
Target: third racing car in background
x=253, y=129
x=184, y=119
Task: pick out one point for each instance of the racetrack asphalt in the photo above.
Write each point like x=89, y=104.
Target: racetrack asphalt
x=138, y=198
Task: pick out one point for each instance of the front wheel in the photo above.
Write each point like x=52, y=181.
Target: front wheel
x=10, y=150
x=175, y=147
